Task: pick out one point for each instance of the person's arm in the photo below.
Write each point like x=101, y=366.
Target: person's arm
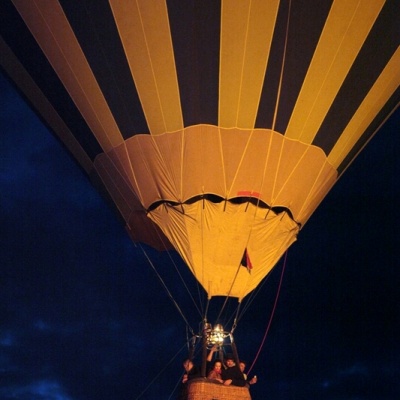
x=253, y=380
x=211, y=353
x=214, y=376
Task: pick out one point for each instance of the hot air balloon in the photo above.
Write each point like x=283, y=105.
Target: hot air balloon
x=216, y=127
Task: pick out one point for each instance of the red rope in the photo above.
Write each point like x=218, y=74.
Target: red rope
x=272, y=314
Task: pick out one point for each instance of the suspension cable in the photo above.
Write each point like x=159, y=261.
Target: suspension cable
x=230, y=290
x=157, y=232
x=161, y=371
x=167, y=290
x=176, y=385
x=272, y=314
x=186, y=287
x=246, y=304
x=253, y=296
x=181, y=376
x=206, y=310
x=235, y=319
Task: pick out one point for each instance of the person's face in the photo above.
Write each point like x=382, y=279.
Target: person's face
x=218, y=366
x=230, y=363
x=187, y=365
x=242, y=366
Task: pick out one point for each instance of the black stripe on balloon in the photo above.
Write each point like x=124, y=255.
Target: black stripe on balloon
x=377, y=50
x=195, y=32
x=94, y=26
x=19, y=39
x=306, y=21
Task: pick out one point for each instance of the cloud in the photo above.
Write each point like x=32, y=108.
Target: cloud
x=6, y=339
x=362, y=382
x=36, y=390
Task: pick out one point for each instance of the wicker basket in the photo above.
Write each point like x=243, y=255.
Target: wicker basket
x=206, y=389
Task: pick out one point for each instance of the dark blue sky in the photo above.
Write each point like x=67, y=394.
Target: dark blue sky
x=83, y=316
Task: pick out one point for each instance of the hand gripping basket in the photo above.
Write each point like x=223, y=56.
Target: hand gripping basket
x=207, y=389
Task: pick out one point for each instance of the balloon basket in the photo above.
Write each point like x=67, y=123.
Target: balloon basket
x=206, y=389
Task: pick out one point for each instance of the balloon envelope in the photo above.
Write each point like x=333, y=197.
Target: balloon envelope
x=217, y=127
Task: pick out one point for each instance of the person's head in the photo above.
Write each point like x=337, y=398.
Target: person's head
x=217, y=365
x=229, y=361
x=187, y=364
x=242, y=365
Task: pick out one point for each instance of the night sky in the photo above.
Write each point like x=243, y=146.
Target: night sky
x=83, y=316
